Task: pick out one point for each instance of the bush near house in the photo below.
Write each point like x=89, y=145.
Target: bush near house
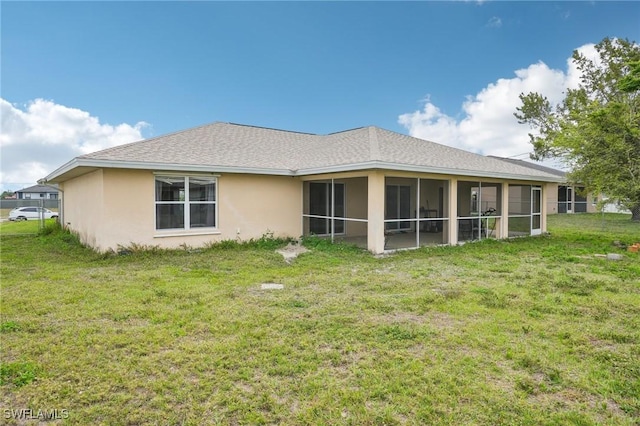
x=527, y=331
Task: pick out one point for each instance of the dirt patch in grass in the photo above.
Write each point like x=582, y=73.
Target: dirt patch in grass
x=291, y=251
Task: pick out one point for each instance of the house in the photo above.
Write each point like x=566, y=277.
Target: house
x=368, y=186
x=564, y=197
x=38, y=192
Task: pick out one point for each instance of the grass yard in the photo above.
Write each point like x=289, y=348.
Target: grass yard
x=526, y=331
x=32, y=227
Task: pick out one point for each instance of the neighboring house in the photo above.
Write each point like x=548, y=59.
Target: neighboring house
x=372, y=187
x=38, y=192
x=564, y=198
x=613, y=206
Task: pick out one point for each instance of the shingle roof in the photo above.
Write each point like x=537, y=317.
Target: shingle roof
x=40, y=188
x=252, y=149
x=535, y=166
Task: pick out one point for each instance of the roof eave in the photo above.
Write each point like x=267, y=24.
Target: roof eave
x=51, y=177
x=421, y=169
x=93, y=163
x=141, y=165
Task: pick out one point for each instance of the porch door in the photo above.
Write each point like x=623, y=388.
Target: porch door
x=562, y=199
x=536, y=210
x=398, y=206
x=320, y=199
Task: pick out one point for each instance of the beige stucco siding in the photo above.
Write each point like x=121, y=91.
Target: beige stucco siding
x=116, y=207
x=86, y=218
x=109, y=208
x=551, y=190
x=129, y=208
x=257, y=204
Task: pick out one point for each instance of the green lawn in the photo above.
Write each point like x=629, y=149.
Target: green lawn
x=525, y=331
x=23, y=227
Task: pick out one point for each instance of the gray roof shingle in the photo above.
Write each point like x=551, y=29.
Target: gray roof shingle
x=247, y=148
x=540, y=167
x=40, y=188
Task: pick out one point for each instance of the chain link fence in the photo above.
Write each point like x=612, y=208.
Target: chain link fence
x=7, y=205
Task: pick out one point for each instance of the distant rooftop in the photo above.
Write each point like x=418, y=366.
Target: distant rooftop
x=53, y=188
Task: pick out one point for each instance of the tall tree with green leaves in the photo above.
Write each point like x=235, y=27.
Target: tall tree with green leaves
x=595, y=129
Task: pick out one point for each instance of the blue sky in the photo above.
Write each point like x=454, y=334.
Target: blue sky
x=110, y=72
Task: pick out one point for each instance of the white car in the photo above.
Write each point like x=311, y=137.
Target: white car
x=31, y=213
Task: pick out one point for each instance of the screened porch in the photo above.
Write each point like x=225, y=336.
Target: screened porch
x=416, y=212
x=380, y=212
x=336, y=209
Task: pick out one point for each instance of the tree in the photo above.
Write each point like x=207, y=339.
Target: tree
x=6, y=194
x=595, y=129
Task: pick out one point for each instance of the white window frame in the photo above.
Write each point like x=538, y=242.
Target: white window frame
x=186, y=205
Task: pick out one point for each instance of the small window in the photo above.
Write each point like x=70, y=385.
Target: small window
x=185, y=202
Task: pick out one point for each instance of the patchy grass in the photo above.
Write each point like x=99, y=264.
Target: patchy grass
x=24, y=227
x=526, y=331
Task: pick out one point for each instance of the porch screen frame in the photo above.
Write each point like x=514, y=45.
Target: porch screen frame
x=329, y=215
x=534, y=213
x=479, y=218
x=415, y=221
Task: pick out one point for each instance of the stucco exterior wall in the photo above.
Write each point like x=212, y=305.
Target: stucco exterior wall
x=86, y=217
x=129, y=208
x=116, y=207
x=113, y=207
x=552, y=198
x=251, y=205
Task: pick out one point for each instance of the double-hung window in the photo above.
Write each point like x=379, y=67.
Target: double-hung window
x=186, y=202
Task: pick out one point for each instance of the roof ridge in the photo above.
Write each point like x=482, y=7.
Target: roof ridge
x=271, y=128
x=345, y=131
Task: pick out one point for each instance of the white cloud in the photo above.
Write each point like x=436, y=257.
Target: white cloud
x=45, y=135
x=487, y=125
x=494, y=22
